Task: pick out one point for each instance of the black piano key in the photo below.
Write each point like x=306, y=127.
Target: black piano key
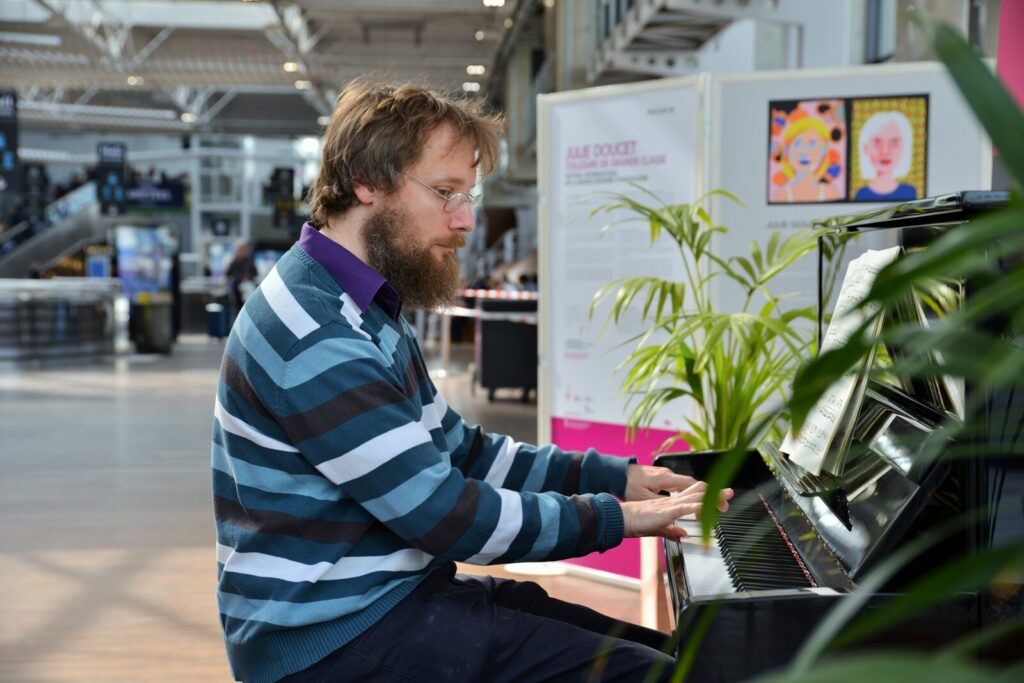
x=755, y=555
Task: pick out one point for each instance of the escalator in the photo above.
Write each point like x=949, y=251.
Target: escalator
x=68, y=224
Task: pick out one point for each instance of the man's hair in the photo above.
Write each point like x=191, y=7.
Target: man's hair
x=379, y=130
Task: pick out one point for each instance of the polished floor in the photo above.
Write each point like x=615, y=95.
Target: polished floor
x=106, y=541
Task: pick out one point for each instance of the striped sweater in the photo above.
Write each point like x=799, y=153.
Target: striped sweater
x=341, y=477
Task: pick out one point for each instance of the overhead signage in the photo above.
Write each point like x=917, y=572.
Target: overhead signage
x=281, y=195
x=145, y=195
x=110, y=177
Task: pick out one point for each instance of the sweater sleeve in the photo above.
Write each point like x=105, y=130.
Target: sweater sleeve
x=503, y=462
x=368, y=432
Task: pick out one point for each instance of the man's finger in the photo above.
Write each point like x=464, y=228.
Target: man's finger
x=670, y=481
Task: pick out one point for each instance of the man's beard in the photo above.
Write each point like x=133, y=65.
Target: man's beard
x=396, y=251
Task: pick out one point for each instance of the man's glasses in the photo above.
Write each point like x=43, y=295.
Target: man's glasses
x=452, y=202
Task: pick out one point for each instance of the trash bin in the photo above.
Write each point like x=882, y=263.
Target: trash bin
x=216, y=320
x=153, y=325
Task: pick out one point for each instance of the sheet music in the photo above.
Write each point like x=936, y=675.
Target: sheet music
x=810, y=446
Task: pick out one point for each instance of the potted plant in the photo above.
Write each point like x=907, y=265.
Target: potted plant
x=734, y=365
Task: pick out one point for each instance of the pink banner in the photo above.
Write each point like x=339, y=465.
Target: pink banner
x=1010, y=56
x=613, y=439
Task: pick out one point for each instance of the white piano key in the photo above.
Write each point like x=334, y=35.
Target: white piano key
x=705, y=568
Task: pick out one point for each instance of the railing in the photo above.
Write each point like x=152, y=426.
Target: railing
x=64, y=318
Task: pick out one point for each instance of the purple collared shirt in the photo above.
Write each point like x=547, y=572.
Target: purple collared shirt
x=360, y=281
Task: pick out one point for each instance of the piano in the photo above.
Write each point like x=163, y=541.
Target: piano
x=793, y=545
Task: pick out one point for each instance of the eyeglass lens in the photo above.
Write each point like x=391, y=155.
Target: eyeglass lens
x=455, y=202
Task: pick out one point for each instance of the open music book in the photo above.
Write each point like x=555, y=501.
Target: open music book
x=821, y=445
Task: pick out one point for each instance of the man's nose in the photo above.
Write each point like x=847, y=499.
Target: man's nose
x=463, y=219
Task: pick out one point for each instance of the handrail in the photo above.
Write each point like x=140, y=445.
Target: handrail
x=61, y=319
x=60, y=286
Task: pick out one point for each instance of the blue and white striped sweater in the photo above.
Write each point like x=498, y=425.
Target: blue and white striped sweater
x=341, y=477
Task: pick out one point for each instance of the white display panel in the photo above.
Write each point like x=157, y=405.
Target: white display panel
x=601, y=143
x=957, y=154
x=589, y=142
x=679, y=138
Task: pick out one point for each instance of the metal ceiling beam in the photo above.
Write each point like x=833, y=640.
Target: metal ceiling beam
x=100, y=121
x=74, y=79
x=216, y=107
x=86, y=96
x=152, y=45
x=67, y=109
x=293, y=37
x=59, y=10
x=22, y=54
x=198, y=14
x=104, y=31
x=42, y=106
x=190, y=100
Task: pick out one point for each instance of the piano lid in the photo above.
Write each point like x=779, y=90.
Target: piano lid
x=946, y=209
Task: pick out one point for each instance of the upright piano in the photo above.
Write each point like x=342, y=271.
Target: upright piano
x=793, y=545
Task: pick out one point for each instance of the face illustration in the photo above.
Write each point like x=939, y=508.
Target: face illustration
x=410, y=239
x=885, y=149
x=805, y=152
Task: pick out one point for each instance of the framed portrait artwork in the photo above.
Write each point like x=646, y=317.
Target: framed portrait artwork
x=807, y=151
x=889, y=148
x=852, y=149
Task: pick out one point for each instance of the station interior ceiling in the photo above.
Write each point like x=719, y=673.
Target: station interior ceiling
x=274, y=67
x=229, y=66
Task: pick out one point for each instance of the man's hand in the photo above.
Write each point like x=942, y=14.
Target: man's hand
x=644, y=482
x=655, y=516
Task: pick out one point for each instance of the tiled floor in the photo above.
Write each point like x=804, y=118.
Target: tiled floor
x=106, y=541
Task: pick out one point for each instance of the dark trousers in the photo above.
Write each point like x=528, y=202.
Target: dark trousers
x=477, y=628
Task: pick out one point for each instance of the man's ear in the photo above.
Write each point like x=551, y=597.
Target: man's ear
x=364, y=193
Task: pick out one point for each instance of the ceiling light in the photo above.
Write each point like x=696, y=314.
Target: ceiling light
x=509, y=23
x=494, y=3
x=323, y=120
x=479, y=35
x=475, y=69
x=135, y=80
x=470, y=86
x=303, y=85
x=290, y=67
x=549, y=3
x=188, y=117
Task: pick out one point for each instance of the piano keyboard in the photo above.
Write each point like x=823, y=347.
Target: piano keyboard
x=747, y=553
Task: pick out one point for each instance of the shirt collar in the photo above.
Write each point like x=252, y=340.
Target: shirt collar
x=359, y=280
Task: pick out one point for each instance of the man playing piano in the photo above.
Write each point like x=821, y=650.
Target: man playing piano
x=345, y=487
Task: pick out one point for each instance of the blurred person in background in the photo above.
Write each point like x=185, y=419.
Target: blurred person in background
x=241, y=277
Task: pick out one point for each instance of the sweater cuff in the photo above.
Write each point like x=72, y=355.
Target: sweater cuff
x=605, y=473
x=612, y=525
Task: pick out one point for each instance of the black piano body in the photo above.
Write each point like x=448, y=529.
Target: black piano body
x=800, y=556
x=795, y=545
